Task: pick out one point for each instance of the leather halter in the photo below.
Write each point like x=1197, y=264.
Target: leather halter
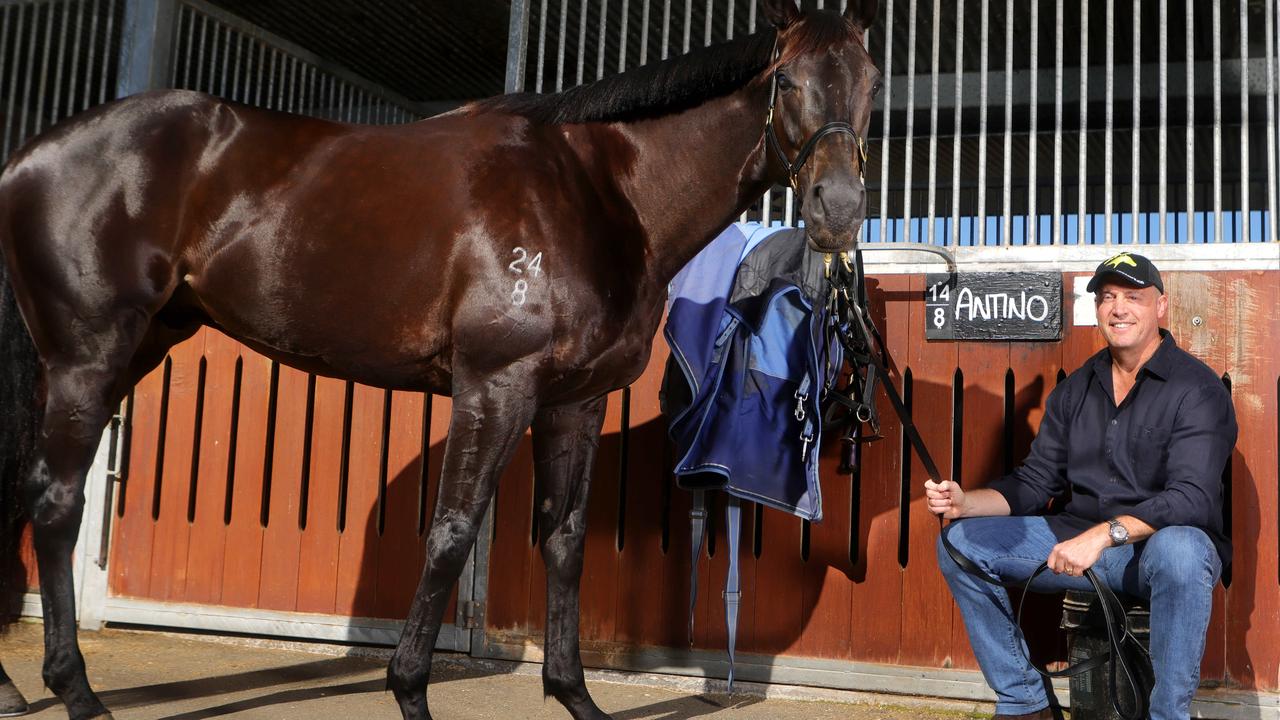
x=806, y=150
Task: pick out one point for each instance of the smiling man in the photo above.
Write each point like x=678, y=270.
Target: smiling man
x=1138, y=437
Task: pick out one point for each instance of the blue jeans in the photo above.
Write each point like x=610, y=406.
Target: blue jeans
x=1174, y=570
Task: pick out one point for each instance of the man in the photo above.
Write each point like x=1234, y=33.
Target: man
x=1139, y=435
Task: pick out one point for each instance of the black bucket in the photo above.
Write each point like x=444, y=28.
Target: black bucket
x=1086, y=637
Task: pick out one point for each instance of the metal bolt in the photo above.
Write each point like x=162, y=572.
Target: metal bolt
x=1197, y=321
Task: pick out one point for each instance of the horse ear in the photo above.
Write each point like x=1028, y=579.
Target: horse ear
x=861, y=13
x=780, y=13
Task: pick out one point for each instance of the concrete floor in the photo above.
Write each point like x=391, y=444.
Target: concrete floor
x=150, y=675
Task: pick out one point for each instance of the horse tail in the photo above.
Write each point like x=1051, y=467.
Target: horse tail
x=19, y=424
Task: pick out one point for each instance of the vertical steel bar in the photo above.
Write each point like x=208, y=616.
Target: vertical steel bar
x=1272, y=18
x=604, y=28
x=623, y=37
x=644, y=32
x=228, y=45
x=1217, y=120
x=1244, y=122
x=87, y=92
x=885, y=115
x=1135, y=152
x=1033, y=139
x=204, y=32
x=706, y=24
x=666, y=28
x=1058, y=239
x=582, y=42
x=4, y=58
x=909, y=148
x=983, y=66
x=213, y=57
x=517, y=47
x=111, y=20
x=1006, y=228
x=935, y=49
x=688, y=24
x=542, y=44
x=55, y=114
x=1082, y=229
x=560, y=43
x=728, y=22
x=1190, y=40
x=42, y=87
x=1163, y=149
x=1109, y=89
x=956, y=135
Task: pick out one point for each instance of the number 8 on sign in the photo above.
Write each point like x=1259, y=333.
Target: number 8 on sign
x=939, y=317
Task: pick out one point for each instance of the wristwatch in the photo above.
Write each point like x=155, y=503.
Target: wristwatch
x=1118, y=532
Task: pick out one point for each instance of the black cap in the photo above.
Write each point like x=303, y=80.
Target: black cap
x=1128, y=269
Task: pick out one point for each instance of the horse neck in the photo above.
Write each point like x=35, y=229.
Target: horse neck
x=695, y=173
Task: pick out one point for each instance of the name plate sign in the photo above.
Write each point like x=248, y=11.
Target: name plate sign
x=993, y=306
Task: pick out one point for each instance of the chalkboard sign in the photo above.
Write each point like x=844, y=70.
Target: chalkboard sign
x=993, y=306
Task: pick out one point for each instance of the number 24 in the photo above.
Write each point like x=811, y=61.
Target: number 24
x=523, y=262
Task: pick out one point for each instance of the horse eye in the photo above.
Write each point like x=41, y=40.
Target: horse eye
x=876, y=88
x=784, y=82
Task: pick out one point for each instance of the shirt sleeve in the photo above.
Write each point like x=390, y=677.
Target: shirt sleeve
x=1043, y=475
x=1203, y=435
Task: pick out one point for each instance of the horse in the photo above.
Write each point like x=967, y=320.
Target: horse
x=513, y=254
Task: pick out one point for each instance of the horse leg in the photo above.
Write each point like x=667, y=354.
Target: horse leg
x=564, y=446
x=489, y=417
x=11, y=701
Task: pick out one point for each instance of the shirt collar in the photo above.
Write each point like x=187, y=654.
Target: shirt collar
x=1159, y=364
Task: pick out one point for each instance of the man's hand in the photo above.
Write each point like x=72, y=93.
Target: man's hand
x=1078, y=554
x=945, y=498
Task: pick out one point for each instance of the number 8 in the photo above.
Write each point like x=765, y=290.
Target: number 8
x=939, y=317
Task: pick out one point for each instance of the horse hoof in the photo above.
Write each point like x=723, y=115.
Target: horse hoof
x=12, y=704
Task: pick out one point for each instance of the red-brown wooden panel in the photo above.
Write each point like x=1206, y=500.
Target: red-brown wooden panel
x=281, y=539
x=358, y=548
x=318, y=555
x=243, y=560
x=876, y=596
x=924, y=592
x=1253, y=600
x=208, y=531
x=130, y=563
x=513, y=555
x=400, y=547
x=173, y=530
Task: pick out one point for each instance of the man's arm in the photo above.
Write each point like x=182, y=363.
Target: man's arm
x=949, y=500
x=1076, y=555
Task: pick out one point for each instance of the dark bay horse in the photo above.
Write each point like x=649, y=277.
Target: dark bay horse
x=513, y=254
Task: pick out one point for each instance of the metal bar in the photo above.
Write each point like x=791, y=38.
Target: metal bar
x=582, y=42
x=666, y=28
x=1006, y=228
x=1163, y=143
x=1057, y=129
x=1033, y=140
x=623, y=36
x=1191, y=123
x=604, y=16
x=1109, y=122
x=884, y=137
x=909, y=149
x=1135, y=159
x=982, y=121
x=644, y=33
x=728, y=22
x=706, y=24
x=935, y=50
x=228, y=44
x=160, y=53
x=204, y=31
x=542, y=44
x=957, y=140
x=1217, y=120
x=1272, y=18
x=55, y=113
x=560, y=42
x=1244, y=124
x=688, y=24
x=1083, y=172
x=87, y=92
x=187, y=48
x=42, y=87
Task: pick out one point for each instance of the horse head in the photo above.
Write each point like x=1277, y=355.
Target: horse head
x=823, y=86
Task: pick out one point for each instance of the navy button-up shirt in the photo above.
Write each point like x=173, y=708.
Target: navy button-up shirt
x=1159, y=456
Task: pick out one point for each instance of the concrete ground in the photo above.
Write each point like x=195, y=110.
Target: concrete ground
x=151, y=675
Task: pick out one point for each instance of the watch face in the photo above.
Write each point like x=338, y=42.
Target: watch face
x=1119, y=534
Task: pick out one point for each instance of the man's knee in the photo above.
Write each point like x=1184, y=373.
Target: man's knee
x=1180, y=556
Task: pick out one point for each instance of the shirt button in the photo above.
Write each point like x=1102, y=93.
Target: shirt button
x=1114, y=422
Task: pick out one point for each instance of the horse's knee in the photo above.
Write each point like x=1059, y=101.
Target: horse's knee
x=55, y=508
x=449, y=542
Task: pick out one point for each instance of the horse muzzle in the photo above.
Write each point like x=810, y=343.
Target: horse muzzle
x=833, y=213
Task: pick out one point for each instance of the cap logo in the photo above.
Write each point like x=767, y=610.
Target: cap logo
x=1122, y=258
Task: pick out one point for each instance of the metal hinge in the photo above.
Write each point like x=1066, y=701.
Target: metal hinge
x=472, y=615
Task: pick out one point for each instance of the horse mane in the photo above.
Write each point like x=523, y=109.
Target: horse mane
x=675, y=84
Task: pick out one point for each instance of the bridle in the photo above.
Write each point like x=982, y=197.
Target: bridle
x=806, y=150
